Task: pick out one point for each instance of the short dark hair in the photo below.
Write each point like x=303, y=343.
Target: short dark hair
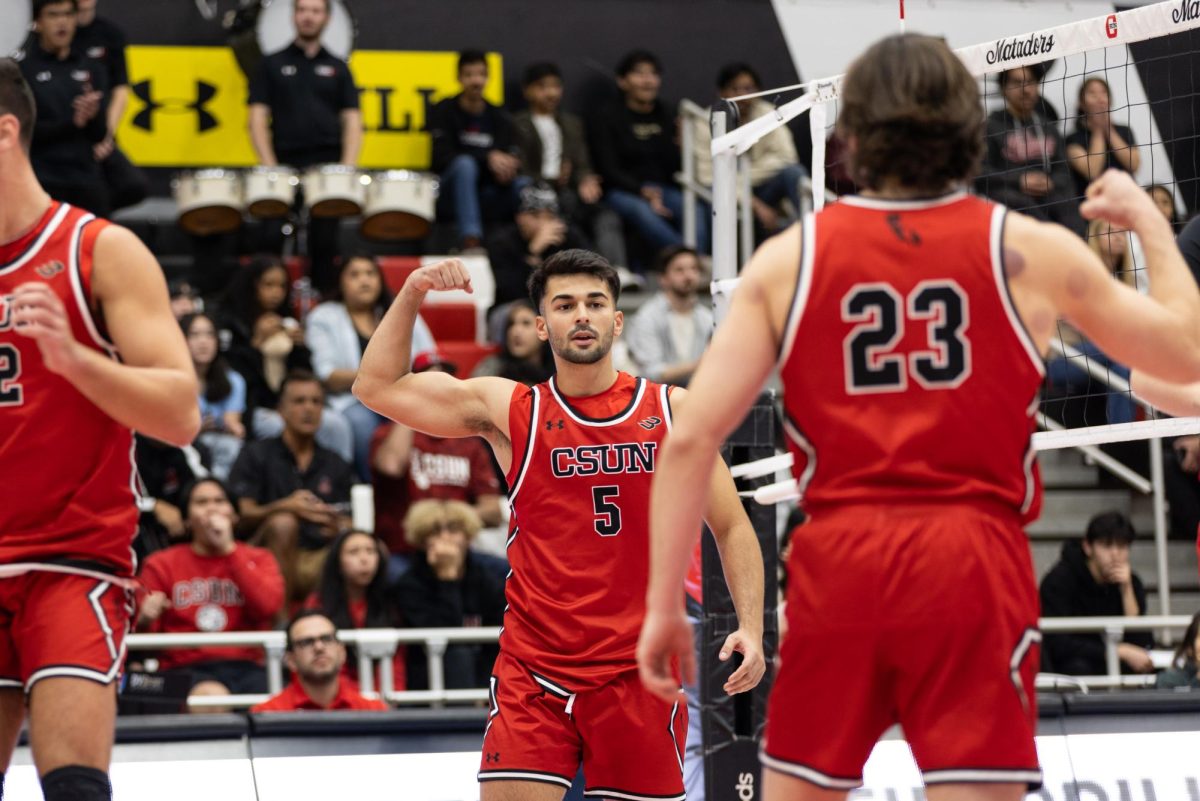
x=40, y=5
x=16, y=98
x=470, y=56
x=1039, y=71
x=301, y=615
x=669, y=254
x=299, y=377
x=576, y=261
x=1110, y=528
x=636, y=58
x=729, y=73
x=186, y=503
x=913, y=111
x=542, y=69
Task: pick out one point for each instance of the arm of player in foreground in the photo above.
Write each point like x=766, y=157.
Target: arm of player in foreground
x=1181, y=400
x=1158, y=334
x=153, y=388
x=434, y=402
x=729, y=378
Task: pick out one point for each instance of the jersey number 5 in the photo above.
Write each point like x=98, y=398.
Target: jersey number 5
x=872, y=365
x=10, y=371
x=608, y=514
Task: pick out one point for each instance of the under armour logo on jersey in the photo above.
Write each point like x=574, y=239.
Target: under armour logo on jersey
x=650, y=423
x=553, y=424
x=50, y=269
x=492, y=756
x=909, y=237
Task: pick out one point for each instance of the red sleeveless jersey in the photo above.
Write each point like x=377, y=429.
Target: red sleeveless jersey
x=579, y=538
x=68, y=487
x=908, y=376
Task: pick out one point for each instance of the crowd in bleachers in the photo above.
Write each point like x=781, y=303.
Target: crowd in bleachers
x=253, y=521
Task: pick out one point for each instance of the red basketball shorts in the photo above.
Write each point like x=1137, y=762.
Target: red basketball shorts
x=61, y=625
x=629, y=742
x=926, y=617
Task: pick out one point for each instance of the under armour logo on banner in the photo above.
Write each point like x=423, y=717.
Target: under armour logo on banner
x=205, y=92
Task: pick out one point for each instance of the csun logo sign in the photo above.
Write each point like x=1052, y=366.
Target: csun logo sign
x=1110, y=26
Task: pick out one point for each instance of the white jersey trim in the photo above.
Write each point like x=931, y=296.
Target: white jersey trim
x=886, y=204
x=808, y=254
x=794, y=434
x=81, y=301
x=999, y=214
x=664, y=398
x=40, y=242
x=530, y=443
x=1030, y=456
x=583, y=421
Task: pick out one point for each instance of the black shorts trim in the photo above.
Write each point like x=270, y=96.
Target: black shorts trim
x=624, y=795
x=519, y=775
x=1030, y=777
x=809, y=773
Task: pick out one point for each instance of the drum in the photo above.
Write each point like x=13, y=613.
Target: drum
x=15, y=20
x=276, y=31
x=270, y=192
x=399, y=205
x=334, y=190
x=210, y=201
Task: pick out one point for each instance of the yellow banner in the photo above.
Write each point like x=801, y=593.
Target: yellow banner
x=187, y=106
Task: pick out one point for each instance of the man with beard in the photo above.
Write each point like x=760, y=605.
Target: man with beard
x=671, y=330
x=306, y=97
x=579, y=453
x=315, y=657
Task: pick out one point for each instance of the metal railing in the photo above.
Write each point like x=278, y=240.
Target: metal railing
x=693, y=190
x=379, y=646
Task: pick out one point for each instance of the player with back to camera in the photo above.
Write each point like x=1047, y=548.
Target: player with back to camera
x=89, y=350
x=579, y=452
x=909, y=324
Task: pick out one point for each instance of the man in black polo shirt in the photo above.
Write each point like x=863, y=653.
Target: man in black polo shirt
x=475, y=153
x=292, y=494
x=69, y=91
x=304, y=112
x=104, y=43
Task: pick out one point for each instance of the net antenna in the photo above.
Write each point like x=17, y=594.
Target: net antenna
x=903, y=23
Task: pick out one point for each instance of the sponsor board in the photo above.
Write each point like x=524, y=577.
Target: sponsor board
x=188, y=105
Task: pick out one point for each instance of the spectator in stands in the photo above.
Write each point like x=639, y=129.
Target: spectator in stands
x=450, y=587
x=1164, y=198
x=165, y=472
x=1098, y=143
x=1025, y=165
x=523, y=357
x=264, y=342
x=538, y=232
x=635, y=153
x=1183, y=670
x=184, y=298
x=475, y=153
x=104, y=43
x=222, y=395
x=1094, y=579
x=292, y=494
x=410, y=466
x=354, y=594
x=670, y=331
x=315, y=657
x=554, y=150
x=69, y=89
x=304, y=113
x=213, y=583
x=775, y=172
x=337, y=334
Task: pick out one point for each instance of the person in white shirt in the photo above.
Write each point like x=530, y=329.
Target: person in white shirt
x=671, y=330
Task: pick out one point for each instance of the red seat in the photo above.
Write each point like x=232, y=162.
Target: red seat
x=465, y=355
x=396, y=270
x=451, y=322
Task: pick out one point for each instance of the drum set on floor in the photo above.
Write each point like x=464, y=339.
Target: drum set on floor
x=394, y=205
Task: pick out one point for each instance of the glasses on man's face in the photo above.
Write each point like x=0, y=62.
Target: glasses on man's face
x=310, y=642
